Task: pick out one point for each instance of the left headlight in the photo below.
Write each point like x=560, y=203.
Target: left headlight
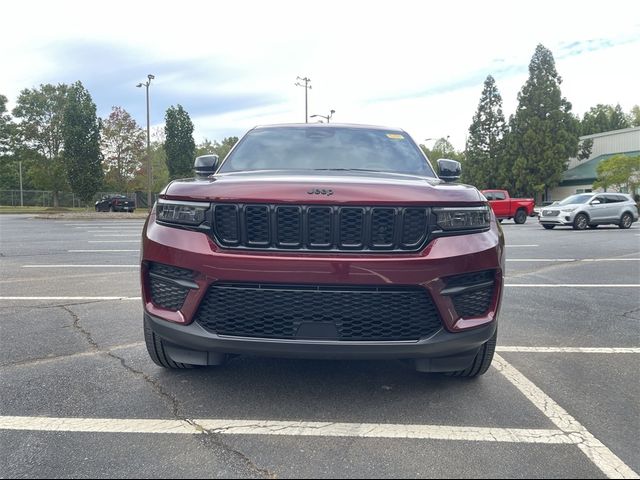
x=463, y=218
x=181, y=213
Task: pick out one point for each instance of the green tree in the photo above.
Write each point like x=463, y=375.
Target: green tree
x=9, y=176
x=586, y=147
x=123, y=149
x=81, y=135
x=40, y=114
x=207, y=147
x=604, y=118
x=620, y=170
x=158, y=167
x=634, y=116
x=179, y=144
x=484, y=145
x=222, y=149
x=596, y=120
x=618, y=119
x=543, y=134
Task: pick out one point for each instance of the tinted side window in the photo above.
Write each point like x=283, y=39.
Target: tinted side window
x=615, y=199
x=499, y=196
x=601, y=198
x=489, y=195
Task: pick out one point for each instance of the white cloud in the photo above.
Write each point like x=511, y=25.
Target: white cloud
x=357, y=54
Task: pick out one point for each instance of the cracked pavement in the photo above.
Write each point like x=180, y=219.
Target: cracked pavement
x=87, y=359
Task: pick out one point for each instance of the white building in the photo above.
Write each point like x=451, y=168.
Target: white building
x=581, y=174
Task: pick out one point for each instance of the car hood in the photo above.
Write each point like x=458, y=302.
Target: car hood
x=324, y=187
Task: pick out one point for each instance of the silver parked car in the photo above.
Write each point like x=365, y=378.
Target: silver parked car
x=590, y=210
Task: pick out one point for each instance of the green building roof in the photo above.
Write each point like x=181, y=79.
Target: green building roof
x=586, y=172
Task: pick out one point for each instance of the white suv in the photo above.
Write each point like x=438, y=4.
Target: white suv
x=590, y=210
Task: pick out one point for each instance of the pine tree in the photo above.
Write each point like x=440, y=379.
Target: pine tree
x=484, y=145
x=543, y=134
x=81, y=134
x=179, y=143
x=618, y=119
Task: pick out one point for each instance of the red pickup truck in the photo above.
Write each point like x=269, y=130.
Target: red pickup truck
x=506, y=207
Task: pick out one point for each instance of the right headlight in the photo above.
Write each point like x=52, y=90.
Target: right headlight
x=463, y=218
x=181, y=213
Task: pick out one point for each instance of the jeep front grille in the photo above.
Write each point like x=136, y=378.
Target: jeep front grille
x=319, y=312
x=330, y=228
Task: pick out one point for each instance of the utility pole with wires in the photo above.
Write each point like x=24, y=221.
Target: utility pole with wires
x=307, y=87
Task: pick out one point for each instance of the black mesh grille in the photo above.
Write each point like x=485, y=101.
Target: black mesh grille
x=338, y=313
x=289, y=226
x=170, y=271
x=414, y=226
x=257, y=225
x=226, y=223
x=473, y=304
x=382, y=226
x=472, y=292
x=351, y=227
x=167, y=294
x=164, y=292
x=468, y=279
x=320, y=227
x=334, y=228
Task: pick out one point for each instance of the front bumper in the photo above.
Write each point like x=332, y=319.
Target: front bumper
x=443, y=351
x=563, y=218
x=443, y=257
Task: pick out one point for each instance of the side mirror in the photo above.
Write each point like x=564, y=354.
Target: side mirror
x=449, y=170
x=595, y=202
x=206, y=165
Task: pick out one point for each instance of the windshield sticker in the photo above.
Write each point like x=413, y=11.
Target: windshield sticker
x=395, y=136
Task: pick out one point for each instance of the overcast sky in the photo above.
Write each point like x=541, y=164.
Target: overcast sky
x=233, y=64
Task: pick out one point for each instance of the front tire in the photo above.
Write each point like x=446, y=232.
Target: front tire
x=481, y=363
x=580, y=222
x=521, y=217
x=625, y=221
x=156, y=349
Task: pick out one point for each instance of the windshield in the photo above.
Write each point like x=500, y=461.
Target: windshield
x=575, y=199
x=327, y=148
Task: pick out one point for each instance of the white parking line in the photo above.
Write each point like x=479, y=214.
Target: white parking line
x=568, y=349
x=124, y=230
x=100, y=251
x=109, y=227
x=595, y=450
x=113, y=241
x=284, y=428
x=574, y=285
x=116, y=234
x=508, y=245
x=70, y=298
x=80, y=266
x=572, y=259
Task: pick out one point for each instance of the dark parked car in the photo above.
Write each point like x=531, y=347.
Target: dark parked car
x=323, y=241
x=115, y=203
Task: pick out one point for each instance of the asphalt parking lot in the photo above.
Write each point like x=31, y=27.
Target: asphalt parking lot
x=80, y=397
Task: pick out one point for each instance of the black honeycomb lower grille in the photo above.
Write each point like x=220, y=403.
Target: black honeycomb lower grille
x=471, y=293
x=166, y=292
x=316, y=227
x=319, y=312
x=473, y=304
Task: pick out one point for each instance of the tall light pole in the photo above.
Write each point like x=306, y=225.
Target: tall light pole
x=326, y=117
x=307, y=87
x=149, y=173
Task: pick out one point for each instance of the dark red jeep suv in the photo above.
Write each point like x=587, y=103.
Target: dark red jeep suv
x=323, y=241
